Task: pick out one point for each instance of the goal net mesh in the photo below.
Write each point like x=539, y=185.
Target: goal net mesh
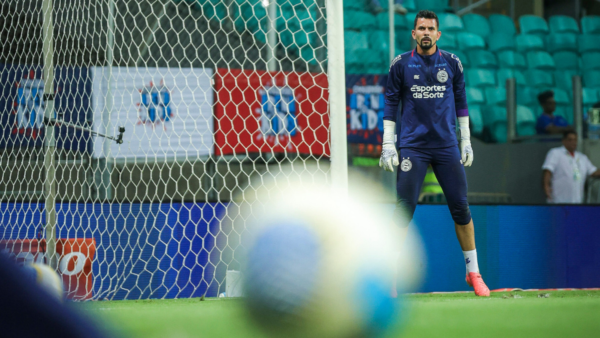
x=216, y=97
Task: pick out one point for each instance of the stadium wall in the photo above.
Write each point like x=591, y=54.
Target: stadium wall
x=518, y=247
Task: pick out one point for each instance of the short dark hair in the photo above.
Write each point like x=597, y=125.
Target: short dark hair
x=569, y=132
x=544, y=96
x=425, y=14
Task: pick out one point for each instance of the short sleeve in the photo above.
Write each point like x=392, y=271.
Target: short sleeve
x=550, y=162
x=589, y=167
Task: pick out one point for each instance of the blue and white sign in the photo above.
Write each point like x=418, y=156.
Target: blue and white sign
x=278, y=112
x=365, y=103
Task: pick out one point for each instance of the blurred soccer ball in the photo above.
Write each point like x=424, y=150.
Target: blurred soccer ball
x=47, y=278
x=320, y=264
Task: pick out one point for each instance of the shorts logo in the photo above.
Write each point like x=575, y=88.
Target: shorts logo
x=442, y=76
x=406, y=164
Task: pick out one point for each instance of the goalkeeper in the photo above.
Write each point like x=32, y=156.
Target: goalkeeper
x=430, y=84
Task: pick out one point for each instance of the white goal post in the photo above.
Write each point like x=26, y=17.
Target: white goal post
x=131, y=130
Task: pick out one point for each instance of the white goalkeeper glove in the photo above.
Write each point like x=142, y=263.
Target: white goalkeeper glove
x=466, y=151
x=389, y=154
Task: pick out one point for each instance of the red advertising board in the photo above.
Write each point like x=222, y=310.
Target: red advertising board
x=260, y=111
x=74, y=262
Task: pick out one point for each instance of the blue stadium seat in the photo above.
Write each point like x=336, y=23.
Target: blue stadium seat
x=504, y=74
x=591, y=79
x=563, y=24
x=512, y=60
x=403, y=41
x=539, y=78
x=495, y=96
x=480, y=77
x=470, y=41
x=356, y=5
x=590, y=24
x=476, y=119
x=447, y=41
x=410, y=5
x=590, y=61
x=355, y=40
x=564, y=79
x=527, y=96
x=540, y=60
x=474, y=96
x=561, y=42
x=591, y=96
x=533, y=24
x=528, y=43
x=410, y=19
x=359, y=20
x=566, y=112
x=566, y=60
x=494, y=120
x=461, y=56
x=432, y=5
x=498, y=42
x=476, y=24
x=589, y=43
x=450, y=22
x=502, y=24
x=482, y=59
x=526, y=121
x=383, y=21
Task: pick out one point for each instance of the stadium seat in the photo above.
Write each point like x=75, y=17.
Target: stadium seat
x=476, y=119
x=591, y=79
x=355, y=40
x=590, y=24
x=494, y=120
x=495, y=96
x=526, y=121
x=527, y=96
x=359, y=20
x=589, y=43
x=461, y=56
x=476, y=24
x=470, y=41
x=561, y=97
x=480, y=77
x=566, y=112
x=512, y=60
x=540, y=60
x=450, y=22
x=529, y=43
x=591, y=96
x=561, y=42
x=252, y=18
x=432, y=5
x=505, y=74
x=533, y=24
x=383, y=21
x=379, y=40
x=403, y=41
x=447, y=41
x=590, y=61
x=410, y=5
x=502, y=24
x=539, y=78
x=566, y=60
x=564, y=79
x=355, y=5
x=410, y=19
x=563, y=24
x=474, y=96
x=498, y=42
x=482, y=59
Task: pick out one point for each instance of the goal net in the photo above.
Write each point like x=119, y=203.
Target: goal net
x=212, y=95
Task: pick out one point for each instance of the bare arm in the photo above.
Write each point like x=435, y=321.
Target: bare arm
x=547, y=183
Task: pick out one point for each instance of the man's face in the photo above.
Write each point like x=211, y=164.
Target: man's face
x=426, y=33
x=570, y=142
x=549, y=106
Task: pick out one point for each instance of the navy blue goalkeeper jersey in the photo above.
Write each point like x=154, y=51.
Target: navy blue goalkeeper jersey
x=432, y=91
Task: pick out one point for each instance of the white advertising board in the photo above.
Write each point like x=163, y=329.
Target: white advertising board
x=166, y=112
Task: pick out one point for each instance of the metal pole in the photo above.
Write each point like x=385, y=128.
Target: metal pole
x=49, y=137
x=272, y=36
x=578, y=109
x=108, y=107
x=392, y=30
x=511, y=110
x=337, y=95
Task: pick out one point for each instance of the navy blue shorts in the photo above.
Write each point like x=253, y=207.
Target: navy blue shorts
x=449, y=172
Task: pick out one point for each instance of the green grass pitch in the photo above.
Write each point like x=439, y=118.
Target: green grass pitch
x=504, y=314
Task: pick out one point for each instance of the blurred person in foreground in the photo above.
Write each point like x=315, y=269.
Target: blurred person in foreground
x=431, y=86
x=27, y=310
x=565, y=172
x=548, y=123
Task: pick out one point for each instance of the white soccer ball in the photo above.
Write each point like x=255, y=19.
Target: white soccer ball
x=320, y=264
x=47, y=278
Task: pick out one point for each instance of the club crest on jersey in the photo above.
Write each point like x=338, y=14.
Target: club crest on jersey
x=442, y=75
x=406, y=164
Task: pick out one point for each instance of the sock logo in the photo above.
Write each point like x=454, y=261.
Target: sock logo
x=468, y=260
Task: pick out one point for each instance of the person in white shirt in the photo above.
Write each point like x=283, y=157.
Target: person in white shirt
x=565, y=172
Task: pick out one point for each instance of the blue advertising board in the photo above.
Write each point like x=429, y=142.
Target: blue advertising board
x=22, y=103
x=365, y=103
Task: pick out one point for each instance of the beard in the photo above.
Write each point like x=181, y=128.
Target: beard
x=428, y=46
